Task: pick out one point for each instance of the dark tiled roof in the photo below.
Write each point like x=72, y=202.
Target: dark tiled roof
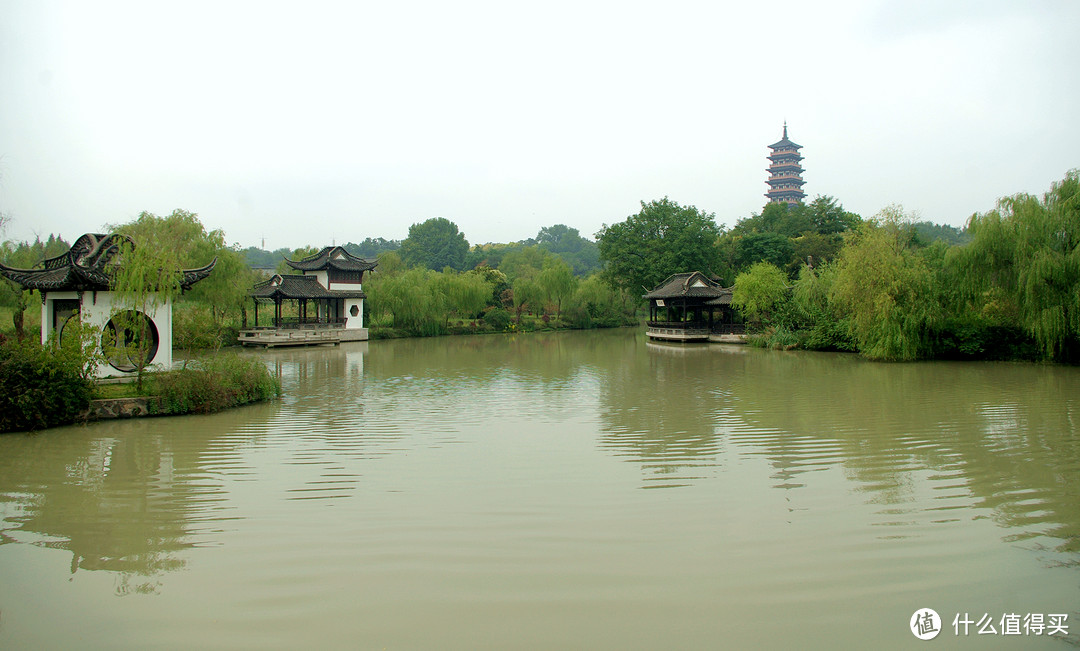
x=192, y=276
x=692, y=284
x=85, y=267
x=295, y=286
x=784, y=142
x=331, y=256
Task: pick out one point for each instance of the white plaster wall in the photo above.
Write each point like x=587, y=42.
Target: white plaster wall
x=354, y=322
x=322, y=276
x=347, y=287
x=97, y=308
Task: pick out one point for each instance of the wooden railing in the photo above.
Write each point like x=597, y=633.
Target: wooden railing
x=310, y=323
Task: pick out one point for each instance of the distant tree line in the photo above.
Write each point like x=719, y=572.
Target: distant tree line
x=810, y=275
x=1007, y=288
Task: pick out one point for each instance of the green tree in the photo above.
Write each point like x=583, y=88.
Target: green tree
x=435, y=244
x=496, y=279
x=466, y=294
x=774, y=248
x=225, y=291
x=526, y=262
x=556, y=282
x=826, y=216
x=812, y=248
x=371, y=247
x=148, y=275
x=390, y=264
x=1023, y=263
x=525, y=292
x=223, y=295
x=490, y=254
x=759, y=291
x=25, y=255
x=826, y=330
x=885, y=290
x=662, y=239
x=583, y=255
x=296, y=254
x=411, y=298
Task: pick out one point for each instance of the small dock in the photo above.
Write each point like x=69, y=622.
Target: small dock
x=272, y=337
x=676, y=332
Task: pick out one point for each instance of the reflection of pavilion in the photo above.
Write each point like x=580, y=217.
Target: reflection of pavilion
x=695, y=308
x=327, y=297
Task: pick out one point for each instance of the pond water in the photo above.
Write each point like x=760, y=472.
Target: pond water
x=577, y=490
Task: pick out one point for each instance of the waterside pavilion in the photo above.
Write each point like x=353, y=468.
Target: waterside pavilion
x=76, y=287
x=694, y=308
x=326, y=297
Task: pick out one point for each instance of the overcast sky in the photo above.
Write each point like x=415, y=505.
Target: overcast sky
x=312, y=123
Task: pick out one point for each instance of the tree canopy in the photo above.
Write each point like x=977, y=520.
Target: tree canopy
x=886, y=289
x=759, y=290
x=1024, y=260
x=662, y=239
x=583, y=255
x=435, y=244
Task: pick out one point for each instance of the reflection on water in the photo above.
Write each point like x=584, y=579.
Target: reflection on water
x=485, y=492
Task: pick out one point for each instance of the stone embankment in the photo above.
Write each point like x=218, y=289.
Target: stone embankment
x=123, y=408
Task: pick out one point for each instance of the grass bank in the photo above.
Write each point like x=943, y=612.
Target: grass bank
x=47, y=386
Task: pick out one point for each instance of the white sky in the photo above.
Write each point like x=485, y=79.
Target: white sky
x=311, y=123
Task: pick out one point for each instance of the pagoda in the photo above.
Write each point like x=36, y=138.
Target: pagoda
x=785, y=172
x=326, y=299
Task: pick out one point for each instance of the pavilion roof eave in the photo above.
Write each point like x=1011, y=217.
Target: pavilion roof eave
x=331, y=257
x=298, y=287
x=693, y=285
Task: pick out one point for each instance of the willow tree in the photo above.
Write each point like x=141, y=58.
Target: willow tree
x=411, y=298
x=556, y=282
x=886, y=290
x=464, y=294
x=1022, y=266
x=759, y=291
x=148, y=276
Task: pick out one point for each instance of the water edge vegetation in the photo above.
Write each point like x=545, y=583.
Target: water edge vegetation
x=811, y=276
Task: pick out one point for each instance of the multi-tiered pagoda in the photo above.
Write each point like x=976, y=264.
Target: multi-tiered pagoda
x=785, y=172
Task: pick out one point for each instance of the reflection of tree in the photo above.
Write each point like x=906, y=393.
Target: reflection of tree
x=126, y=497
x=1009, y=433
x=661, y=404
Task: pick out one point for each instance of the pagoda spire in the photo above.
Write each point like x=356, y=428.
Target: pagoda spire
x=785, y=171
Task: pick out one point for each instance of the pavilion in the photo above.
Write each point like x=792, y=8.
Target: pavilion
x=693, y=308
x=76, y=286
x=325, y=301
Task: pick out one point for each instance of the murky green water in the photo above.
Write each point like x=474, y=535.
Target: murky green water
x=567, y=491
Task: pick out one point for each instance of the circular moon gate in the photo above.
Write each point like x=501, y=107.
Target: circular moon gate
x=129, y=337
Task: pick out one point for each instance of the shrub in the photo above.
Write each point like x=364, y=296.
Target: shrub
x=783, y=339
x=41, y=386
x=216, y=383
x=498, y=319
